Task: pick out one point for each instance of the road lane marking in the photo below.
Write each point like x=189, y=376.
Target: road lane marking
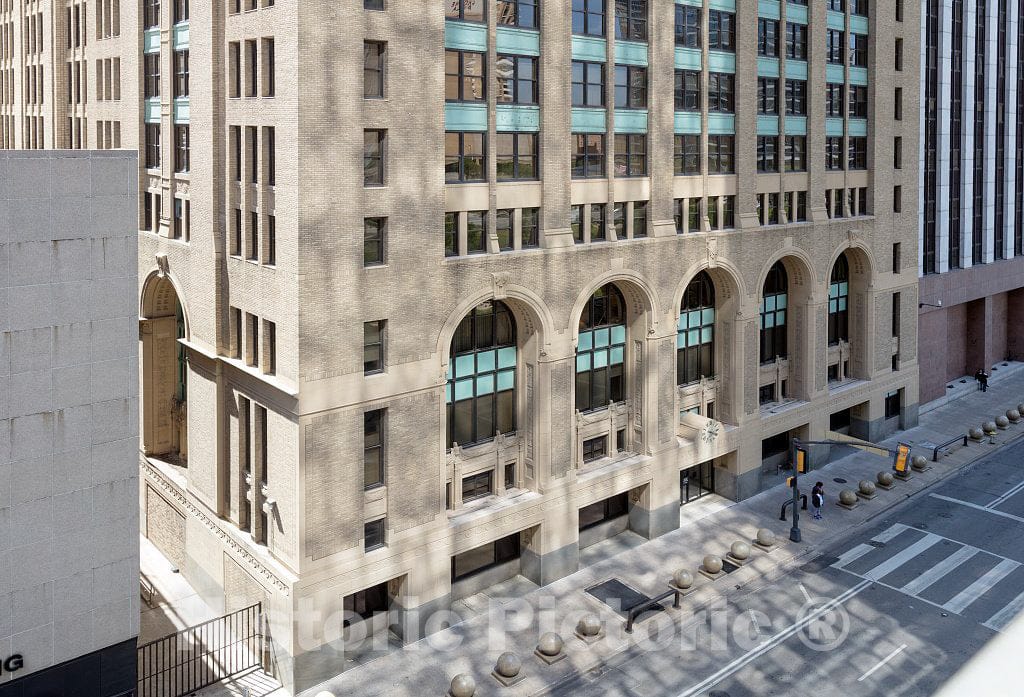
x=977, y=507
x=807, y=596
x=769, y=644
x=852, y=555
x=940, y=570
x=1002, y=618
x=901, y=558
x=1008, y=494
x=881, y=663
x=974, y=591
x=890, y=534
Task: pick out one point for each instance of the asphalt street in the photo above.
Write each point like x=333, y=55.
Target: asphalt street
x=896, y=608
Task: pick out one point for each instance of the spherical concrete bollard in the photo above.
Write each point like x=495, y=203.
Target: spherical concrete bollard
x=1002, y=422
x=976, y=434
x=867, y=488
x=740, y=550
x=508, y=665
x=550, y=644
x=765, y=537
x=589, y=625
x=1020, y=408
x=847, y=497
x=1013, y=415
x=919, y=463
x=712, y=564
x=682, y=579
x=463, y=685
x=989, y=427
x=885, y=478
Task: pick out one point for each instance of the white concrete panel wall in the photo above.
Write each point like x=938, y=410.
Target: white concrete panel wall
x=1010, y=151
x=945, y=59
x=991, y=104
x=920, y=164
x=967, y=147
x=68, y=405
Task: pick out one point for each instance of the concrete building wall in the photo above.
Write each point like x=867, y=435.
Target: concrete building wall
x=69, y=557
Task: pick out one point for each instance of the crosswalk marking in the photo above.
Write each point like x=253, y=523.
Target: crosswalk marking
x=890, y=533
x=974, y=591
x=852, y=555
x=901, y=558
x=939, y=570
x=978, y=507
x=1002, y=618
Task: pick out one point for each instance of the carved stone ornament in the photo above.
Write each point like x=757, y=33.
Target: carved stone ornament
x=500, y=282
x=163, y=265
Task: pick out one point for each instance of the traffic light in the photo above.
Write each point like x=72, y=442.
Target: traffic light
x=801, y=460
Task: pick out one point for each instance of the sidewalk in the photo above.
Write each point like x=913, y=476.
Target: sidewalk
x=426, y=667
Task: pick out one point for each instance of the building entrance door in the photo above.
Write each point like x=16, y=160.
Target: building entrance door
x=696, y=481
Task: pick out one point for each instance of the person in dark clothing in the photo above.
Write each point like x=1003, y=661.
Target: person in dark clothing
x=818, y=499
x=982, y=377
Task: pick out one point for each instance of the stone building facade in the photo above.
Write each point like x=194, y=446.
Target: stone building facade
x=544, y=272
x=971, y=189
x=69, y=523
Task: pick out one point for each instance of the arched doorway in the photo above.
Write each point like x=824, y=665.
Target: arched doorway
x=164, y=373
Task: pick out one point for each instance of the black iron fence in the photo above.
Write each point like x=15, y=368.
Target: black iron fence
x=181, y=663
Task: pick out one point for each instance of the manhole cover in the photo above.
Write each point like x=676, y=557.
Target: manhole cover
x=618, y=596
x=839, y=480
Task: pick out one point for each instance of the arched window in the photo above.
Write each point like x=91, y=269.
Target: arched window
x=773, y=314
x=481, y=389
x=600, y=354
x=838, y=301
x=695, y=340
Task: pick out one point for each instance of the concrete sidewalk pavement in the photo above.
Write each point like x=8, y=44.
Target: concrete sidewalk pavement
x=427, y=667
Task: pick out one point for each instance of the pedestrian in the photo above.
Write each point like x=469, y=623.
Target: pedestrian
x=818, y=499
x=982, y=377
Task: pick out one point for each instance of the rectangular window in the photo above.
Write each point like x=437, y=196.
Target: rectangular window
x=180, y=11
x=576, y=223
x=598, y=230
x=151, y=83
x=721, y=151
x=687, y=89
x=767, y=37
x=630, y=87
x=587, y=84
x=721, y=31
x=897, y=199
x=892, y=404
x=485, y=557
x=373, y=346
x=858, y=101
x=588, y=17
x=767, y=95
x=373, y=449
x=374, y=145
x=235, y=69
x=767, y=153
x=516, y=79
x=796, y=153
x=530, y=228
x=796, y=97
x=476, y=232
x=686, y=156
x=477, y=486
x=835, y=51
x=796, y=41
x=896, y=253
x=688, y=19
x=270, y=154
x=588, y=157
x=367, y=4
x=630, y=155
x=518, y=13
x=464, y=76
x=639, y=219
x=373, y=535
x=152, y=145
x=858, y=153
x=897, y=152
x=505, y=219
x=721, y=92
x=834, y=152
x=451, y=234
x=269, y=68
x=834, y=99
x=151, y=14
x=374, y=235
x=466, y=10
x=252, y=68
x=619, y=220
x=270, y=242
x=252, y=344
x=517, y=156
x=464, y=157
x=181, y=73
x=859, y=51
x=374, y=53
x=269, y=347
x=182, y=149
x=252, y=141
x=631, y=20
x=595, y=449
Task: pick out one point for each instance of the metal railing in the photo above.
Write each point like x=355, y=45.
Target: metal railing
x=181, y=663
x=943, y=446
x=650, y=604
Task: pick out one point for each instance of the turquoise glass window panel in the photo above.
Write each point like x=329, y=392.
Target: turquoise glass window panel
x=695, y=318
x=485, y=384
x=448, y=393
x=601, y=337
x=681, y=339
x=705, y=335
x=842, y=303
x=769, y=322
x=485, y=361
x=682, y=322
x=763, y=305
x=615, y=356
x=708, y=316
x=781, y=304
x=582, y=362
x=451, y=370
x=464, y=365
x=780, y=318
x=600, y=359
x=619, y=334
x=833, y=291
x=769, y=303
x=833, y=306
x=586, y=341
x=506, y=380
x=693, y=337
x=463, y=389
x=844, y=288
x=507, y=357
